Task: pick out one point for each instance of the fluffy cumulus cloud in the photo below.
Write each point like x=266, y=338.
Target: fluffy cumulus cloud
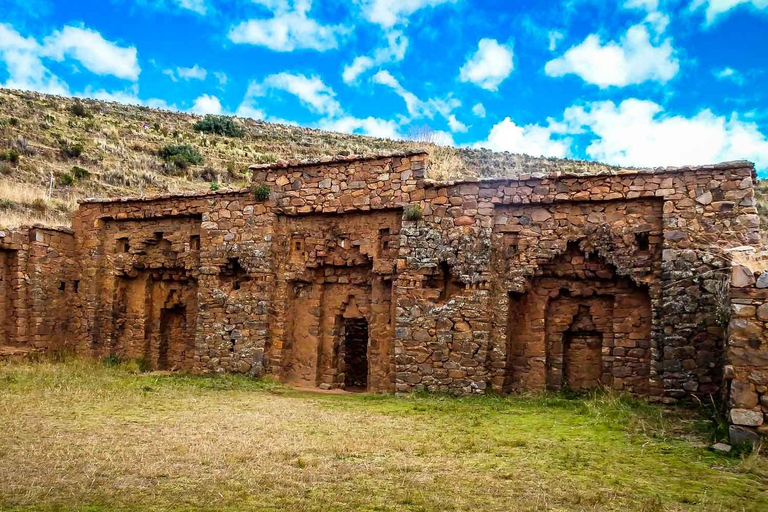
x=632, y=60
x=531, y=139
x=640, y=133
x=388, y=13
x=490, y=65
x=24, y=57
x=714, y=9
x=95, y=53
x=26, y=70
x=311, y=91
x=393, y=51
x=479, y=110
x=207, y=104
x=290, y=28
x=418, y=108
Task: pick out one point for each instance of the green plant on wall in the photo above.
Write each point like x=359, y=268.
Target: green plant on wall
x=261, y=192
x=412, y=212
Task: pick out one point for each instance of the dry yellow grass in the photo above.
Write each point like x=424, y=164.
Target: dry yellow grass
x=82, y=436
x=25, y=204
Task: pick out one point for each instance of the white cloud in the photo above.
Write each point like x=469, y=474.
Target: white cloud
x=95, y=53
x=716, y=8
x=127, y=97
x=479, y=110
x=728, y=73
x=490, y=65
x=418, y=108
x=198, y=6
x=193, y=73
x=640, y=133
x=455, y=125
x=648, y=5
x=388, y=13
x=311, y=92
x=25, y=68
x=530, y=139
x=394, y=51
x=372, y=126
x=221, y=78
x=633, y=60
x=288, y=29
x=207, y=104
x=554, y=36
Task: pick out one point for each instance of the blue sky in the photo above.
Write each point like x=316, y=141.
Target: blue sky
x=628, y=82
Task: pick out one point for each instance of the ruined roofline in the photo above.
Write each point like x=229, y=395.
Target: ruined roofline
x=160, y=197
x=286, y=165
x=295, y=164
x=4, y=232
x=622, y=172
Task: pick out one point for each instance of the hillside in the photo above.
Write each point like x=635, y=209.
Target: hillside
x=86, y=148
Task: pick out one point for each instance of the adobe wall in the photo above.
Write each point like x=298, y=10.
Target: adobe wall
x=544, y=281
x=38, y=283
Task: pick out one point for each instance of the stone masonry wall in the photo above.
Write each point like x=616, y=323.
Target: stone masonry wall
x=543, y=281
x=38, y=283
x=746, y=370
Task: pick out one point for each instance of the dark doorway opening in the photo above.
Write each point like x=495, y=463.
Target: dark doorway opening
x=170, y=353
x=355, y=354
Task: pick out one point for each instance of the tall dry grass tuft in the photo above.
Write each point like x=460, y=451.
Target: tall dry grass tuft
x=24, y=204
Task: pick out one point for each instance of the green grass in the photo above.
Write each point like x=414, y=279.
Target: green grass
x=92, y=436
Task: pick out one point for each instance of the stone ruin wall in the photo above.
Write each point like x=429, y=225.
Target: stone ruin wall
x=746, y=370
x=538, y=282
x=39, y=281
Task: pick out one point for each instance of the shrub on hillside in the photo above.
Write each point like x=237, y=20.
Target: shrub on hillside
x=219, y=125
x=10, y=155
x=80, y=174
x=69, y=150
x=65, y=180
x=181, y=155
x=78, y=109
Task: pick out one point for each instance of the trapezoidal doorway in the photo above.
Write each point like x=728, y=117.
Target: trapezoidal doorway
x=355, y=354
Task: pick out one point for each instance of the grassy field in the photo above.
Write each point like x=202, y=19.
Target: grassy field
x=85, y=436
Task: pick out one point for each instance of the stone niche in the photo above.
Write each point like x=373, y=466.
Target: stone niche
x=153, y=307
x=337, y=272
x=573, y=319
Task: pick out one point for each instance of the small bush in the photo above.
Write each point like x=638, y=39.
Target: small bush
x=412, y=212
x=181, y=155
x=219, y=125
x=11, y=156
x=78, y=109
x=5, y=168
x=215, y=186
x=65, y=180
x=80, y=174
x=69, y=150
x=13, y=121
x=40, y=205
x=261, y=192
